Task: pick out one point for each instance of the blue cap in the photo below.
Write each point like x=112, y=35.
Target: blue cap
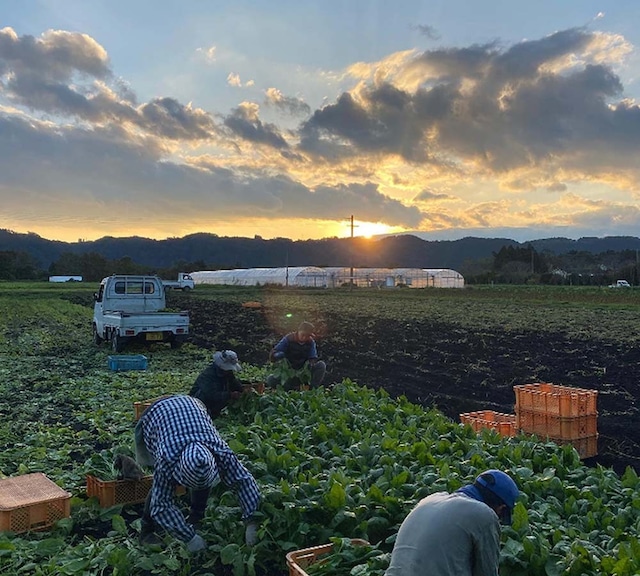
x=503, y=486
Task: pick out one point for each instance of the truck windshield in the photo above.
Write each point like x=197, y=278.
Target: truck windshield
x=134, y=287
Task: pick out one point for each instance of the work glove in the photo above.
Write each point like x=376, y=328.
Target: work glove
x=251, y=533
x=196, y=544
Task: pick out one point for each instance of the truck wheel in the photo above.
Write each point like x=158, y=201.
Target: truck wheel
x=97, y=339
x=186, y=288
x=117, y=342
x=175, y=343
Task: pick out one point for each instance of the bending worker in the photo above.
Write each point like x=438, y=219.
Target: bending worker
x=299, y=350
x=456, y=534
x=176, y=436
x=217, y=384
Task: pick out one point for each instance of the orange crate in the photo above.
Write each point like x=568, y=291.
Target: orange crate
x=503, y=424
x=556, y=400
x=586, y=447
x=31, y=502
x=556, y=426
x=298, y=560
x=114, y=492
x=140, y=407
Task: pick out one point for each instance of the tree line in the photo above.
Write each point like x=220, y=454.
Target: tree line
x=509, y=265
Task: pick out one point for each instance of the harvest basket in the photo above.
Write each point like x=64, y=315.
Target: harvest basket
x=555, y=400
x=141, y=406
x=114, y=492
x=31, y=502
x=553, y=426
x=298, y=560
x=503, y=424
x=128, y=362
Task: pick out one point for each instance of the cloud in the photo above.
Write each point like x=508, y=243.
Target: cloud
x=547, y=103
x=244, y=122
x=233, y=79
x=288, y=104
x=429, y=31
x=426, y=195
x=209, y=54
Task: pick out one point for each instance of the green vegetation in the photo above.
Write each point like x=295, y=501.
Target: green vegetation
x=345, y=463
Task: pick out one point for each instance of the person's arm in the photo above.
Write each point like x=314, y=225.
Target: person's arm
x=313, y=353
x=279, y=351
x=235, y=475
x=163, y=509
x=486, y=549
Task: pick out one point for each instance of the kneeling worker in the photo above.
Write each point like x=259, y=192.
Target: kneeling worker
x=456, y=534
x=299, y=350
x=177, y=438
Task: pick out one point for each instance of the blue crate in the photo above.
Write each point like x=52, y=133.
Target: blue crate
x=130, y=362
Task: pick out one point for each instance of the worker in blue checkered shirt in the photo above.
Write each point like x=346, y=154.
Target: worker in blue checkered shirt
x=177, y=438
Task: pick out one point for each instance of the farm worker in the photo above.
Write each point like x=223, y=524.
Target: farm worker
x=456, y=534
x=176, y=436
x=299, y=350
x=217, y=384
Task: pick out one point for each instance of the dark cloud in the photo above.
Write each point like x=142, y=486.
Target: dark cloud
x=536, y=102
x=244, y=122
x=170, y=118
x=428, y=31
x=289, y=104
x=113, y=169
x=427, y=195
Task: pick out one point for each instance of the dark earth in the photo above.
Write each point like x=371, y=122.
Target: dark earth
x=456, y=370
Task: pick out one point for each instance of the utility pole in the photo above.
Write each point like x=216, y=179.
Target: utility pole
x=351, y=271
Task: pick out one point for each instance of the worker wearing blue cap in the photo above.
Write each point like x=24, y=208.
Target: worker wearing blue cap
x=456, y=534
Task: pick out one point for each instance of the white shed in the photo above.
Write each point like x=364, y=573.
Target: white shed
x=301, y=276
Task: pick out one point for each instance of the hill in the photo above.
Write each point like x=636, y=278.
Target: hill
x=212, y=251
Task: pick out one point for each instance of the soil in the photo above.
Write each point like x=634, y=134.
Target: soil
x=453, y=369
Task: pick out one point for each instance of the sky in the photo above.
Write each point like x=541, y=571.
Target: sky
x=280, y=118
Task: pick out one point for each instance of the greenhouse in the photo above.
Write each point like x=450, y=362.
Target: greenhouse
x=392, y=277
x=300, y=276
x=313, y=277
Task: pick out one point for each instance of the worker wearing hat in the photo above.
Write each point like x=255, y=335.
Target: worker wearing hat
x=177, y=438
x=218, y=384
x=456, y=534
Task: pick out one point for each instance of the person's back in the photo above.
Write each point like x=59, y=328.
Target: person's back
x=447, y=535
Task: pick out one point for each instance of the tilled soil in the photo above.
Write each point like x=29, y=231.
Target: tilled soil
x=445, y=366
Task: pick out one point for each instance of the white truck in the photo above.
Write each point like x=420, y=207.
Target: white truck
x=185, y=283
x=131, y=307
x=620, y=284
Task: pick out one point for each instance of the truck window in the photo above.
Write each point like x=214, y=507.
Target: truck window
x=149, y=288
x=134, y=287
x=119, y=288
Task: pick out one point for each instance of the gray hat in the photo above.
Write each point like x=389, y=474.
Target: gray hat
x=227, y=360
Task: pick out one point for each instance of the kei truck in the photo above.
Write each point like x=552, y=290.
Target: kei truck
x=133, y=307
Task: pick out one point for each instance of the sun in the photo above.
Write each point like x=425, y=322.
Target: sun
x=369, y=229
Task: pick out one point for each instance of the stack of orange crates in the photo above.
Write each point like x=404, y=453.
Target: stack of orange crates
x=563, y=414
x=503, y=424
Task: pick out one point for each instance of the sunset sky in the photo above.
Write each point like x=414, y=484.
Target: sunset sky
x=283, y=118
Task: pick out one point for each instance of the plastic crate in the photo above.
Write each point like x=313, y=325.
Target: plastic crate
x=298, y=560
x=114, y=492
x=31, y=502
x=503, y=424
x=556, y=400
x=141, y=406
x=128, y=362
x=553, y=426
x=586, y=447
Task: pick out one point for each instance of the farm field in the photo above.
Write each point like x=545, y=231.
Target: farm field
x=349, y=462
